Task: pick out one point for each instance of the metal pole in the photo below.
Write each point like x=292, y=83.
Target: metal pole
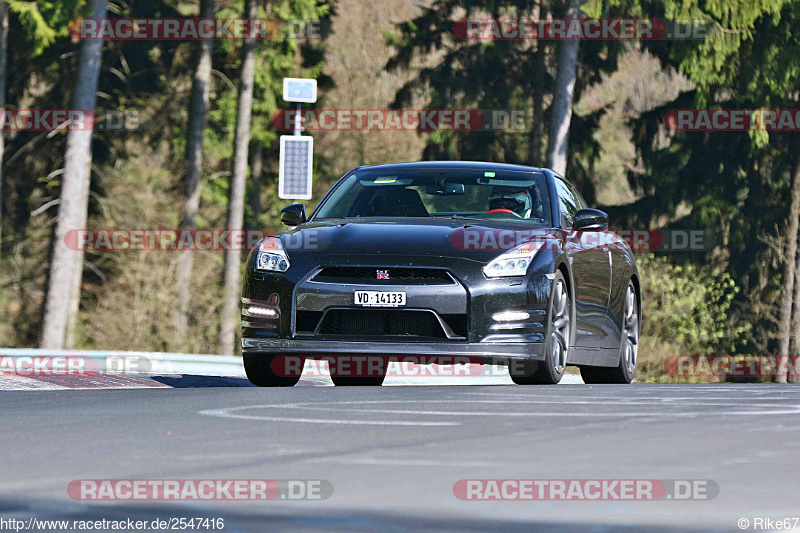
x=298, y=129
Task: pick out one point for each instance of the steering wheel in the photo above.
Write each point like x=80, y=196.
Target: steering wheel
x=504, y=211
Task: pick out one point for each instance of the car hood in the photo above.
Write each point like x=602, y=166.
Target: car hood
x=413, y=237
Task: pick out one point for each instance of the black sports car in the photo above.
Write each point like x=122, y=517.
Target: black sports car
x=499, y=263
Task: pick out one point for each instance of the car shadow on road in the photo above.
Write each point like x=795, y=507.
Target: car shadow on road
x=193, y=381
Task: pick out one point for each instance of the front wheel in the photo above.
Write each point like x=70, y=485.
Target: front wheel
x=556, y=349
x=258, y=368
x=629, y=348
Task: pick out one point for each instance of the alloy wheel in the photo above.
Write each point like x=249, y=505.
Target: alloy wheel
x=631, y=331
x=559, y=335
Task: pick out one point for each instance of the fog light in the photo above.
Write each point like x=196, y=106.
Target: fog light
x=511, y=316
x=265, y=312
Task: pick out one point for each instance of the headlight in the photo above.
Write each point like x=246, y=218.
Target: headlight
x=514, y=262
x=271, y=257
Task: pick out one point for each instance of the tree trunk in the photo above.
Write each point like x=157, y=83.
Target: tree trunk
x=795, y=378
x=790, y=269
x=198, y=109
x=256, y=177
x=539, y=75
x=230, y=296
x=66, y=266
x=3, y=56
x=77, y=274
x=561, y=114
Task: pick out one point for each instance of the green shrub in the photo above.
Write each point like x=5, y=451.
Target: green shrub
x=685, y=312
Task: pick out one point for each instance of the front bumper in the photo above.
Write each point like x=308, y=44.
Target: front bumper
x=468, y=304
x=487, y=352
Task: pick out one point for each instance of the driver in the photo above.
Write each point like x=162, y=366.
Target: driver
x=514, y=199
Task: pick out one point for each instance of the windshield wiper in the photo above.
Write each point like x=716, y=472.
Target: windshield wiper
x=462, y=217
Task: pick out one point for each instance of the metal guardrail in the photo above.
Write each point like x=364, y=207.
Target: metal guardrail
x=149, y=362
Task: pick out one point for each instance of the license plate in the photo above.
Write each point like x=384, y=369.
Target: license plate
x=380, y=298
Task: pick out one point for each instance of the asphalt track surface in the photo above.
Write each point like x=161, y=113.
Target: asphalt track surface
x=393, y=454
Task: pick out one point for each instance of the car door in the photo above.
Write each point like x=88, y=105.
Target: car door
x=591, y=271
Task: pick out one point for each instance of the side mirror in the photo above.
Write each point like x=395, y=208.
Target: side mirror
x=293, y=215
x=590, y=219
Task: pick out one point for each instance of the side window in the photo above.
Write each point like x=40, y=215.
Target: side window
x=567, y=202
x=581, y=202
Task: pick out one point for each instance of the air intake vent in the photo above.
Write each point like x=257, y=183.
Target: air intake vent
x=362, y=323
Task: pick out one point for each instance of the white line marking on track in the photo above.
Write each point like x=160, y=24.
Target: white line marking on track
x=309, y=406
x=235, y=412
x=401, y=462
x=227, y=413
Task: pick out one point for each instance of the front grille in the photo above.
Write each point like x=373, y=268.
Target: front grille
x=363, y=323
x=307, y=322
x=397, y=276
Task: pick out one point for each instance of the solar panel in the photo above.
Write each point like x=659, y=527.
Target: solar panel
x=294, y=173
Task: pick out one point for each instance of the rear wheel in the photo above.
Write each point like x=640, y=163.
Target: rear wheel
x=629, y=349
x=258, y=368
x=556, y=350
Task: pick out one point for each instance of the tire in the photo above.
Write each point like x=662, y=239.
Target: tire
x=629, y=347
x=557, y=343
x=258, y=368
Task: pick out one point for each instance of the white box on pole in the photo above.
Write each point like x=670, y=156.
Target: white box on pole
x=300, y=90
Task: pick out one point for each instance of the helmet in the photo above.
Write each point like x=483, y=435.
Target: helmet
x=516, y=199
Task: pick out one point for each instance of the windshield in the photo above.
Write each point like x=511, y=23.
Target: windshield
x=431, y=192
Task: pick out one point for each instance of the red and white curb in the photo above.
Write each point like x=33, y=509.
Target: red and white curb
x=10, y=381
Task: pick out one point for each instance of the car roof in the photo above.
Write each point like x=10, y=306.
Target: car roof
x=472, y=165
